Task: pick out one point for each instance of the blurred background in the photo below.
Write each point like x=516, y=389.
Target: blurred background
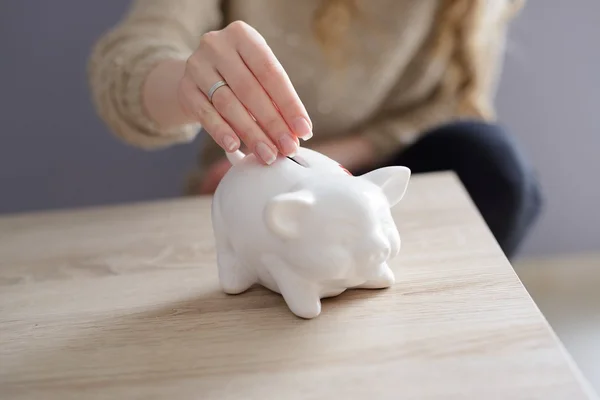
x=56, y=153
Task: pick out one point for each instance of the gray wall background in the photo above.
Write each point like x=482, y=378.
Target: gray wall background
x=55, y=152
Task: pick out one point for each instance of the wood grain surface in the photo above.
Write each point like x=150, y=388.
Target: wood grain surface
x=123, y=302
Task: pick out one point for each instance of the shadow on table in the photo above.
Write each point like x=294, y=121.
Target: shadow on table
x=203, y=337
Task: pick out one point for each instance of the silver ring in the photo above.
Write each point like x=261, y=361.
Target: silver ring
x=214, y=88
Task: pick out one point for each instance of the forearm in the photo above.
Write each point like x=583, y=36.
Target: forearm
x=390, y=134
x=134, y=70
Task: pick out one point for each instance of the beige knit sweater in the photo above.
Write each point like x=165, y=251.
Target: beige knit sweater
x=384, y=93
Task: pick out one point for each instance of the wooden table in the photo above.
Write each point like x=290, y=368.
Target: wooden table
x=124, y=303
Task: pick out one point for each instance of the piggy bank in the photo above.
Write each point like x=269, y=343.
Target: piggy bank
x=306, y=229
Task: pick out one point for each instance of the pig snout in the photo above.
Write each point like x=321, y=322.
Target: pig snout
x=395, y=243
x=377, y=249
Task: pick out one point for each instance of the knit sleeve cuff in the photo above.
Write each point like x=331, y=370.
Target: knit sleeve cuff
x=118, y=97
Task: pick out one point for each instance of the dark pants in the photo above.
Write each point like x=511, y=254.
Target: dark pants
x=492, y=168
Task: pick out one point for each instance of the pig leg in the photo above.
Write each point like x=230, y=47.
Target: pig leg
x=301, y=296
x=383, y=279
x=234, y=278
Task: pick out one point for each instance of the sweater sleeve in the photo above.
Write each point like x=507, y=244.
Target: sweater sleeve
x=391, y=132
x=151, y=32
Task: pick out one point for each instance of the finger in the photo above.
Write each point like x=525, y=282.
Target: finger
x=198, y=105
x=233, y=111
x=252, y=95
x=259, y=58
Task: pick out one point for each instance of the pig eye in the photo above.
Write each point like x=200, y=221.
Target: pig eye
x=345, y=238
x=349, y=228
x=344, y=232
x=350, y=235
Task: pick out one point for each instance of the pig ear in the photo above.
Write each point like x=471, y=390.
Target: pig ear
x=392, y=180
x=284, y=212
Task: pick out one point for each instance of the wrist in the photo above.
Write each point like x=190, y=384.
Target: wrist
x=160, y=94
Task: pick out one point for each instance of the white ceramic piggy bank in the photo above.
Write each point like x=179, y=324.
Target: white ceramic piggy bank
x=306, y=232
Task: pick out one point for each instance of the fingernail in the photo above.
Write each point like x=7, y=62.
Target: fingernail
x=302, y=128
x=288, y=145
x=230, y=143
x=265, y=153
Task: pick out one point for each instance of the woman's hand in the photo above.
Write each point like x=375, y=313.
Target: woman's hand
x=258, y=105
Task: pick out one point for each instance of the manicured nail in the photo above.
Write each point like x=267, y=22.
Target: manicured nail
x=302, y=128
x=288, y=145
x=230, y=143
x=266, y=153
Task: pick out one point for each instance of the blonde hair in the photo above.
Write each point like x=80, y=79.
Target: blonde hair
x=456, y=33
